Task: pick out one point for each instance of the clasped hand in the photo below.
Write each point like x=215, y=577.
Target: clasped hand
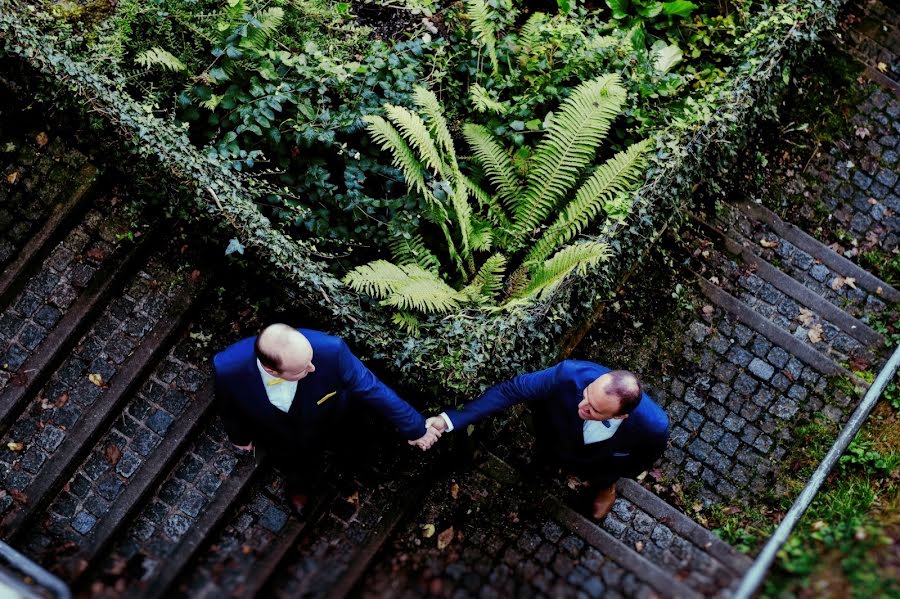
x=434, y=428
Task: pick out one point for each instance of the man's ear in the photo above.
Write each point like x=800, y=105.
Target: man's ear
x=269, y=370
x=622, y=417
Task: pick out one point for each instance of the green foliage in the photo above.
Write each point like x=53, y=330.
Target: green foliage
x=423, y=149
x=157, y=56
x=862, y=454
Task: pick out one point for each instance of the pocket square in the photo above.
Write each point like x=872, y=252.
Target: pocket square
x=326, y=398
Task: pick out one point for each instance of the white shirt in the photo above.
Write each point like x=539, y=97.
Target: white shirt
x=593, y=431
x=280, y=392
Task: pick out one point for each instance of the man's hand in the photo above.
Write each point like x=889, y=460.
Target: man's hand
x=427, y=440
x=247, y=447
x=437, y=423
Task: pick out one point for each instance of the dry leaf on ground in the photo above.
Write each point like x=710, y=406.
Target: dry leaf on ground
x=15, y=446
x=815, y=334
x=806, y=317
x=96, y=379
x=428, y=530
x=41, y=139
x=12, y=178
x=113, y=454
x=445, y=538
x=768, y=244
x=454, y=490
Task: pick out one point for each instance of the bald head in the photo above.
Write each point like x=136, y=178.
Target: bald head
x=613, y=395
x=284, y=352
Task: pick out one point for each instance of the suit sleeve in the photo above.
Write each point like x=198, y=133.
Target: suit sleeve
x=523, y=388
x=364, y=386
x=643, y=457
x=233, y=420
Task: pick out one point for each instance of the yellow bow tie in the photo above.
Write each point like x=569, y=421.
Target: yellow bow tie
x=275, y=382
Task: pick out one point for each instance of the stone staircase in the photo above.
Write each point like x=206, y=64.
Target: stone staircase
x=116, y=475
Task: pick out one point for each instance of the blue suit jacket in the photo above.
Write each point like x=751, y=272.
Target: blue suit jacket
x=554, y=395
x=322, y=398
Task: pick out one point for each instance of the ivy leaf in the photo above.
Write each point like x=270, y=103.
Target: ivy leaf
x=679, y=8
x=618, y=8
x=666, y=57
x=234, y=246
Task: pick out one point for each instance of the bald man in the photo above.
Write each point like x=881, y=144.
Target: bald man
x=296, y=392
x=596, y=422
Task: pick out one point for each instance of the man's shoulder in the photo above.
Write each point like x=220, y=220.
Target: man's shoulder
x=323, y=343
x=651, y=416
x=580, y=369
x=234, y=355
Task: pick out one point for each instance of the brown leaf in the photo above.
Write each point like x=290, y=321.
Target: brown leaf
x=41, y=139
x=12, y=178
x=354, y=499
x=19, y=379
x=859, y=363
x=15, y=446
x=96, y=379
x=246, y=549
x=768, y=244
x=62, y=399
x=195, y=276
x=445, y=538
x=96, y=253
x=113, y=454
x=454, y=491
x=815, y=334
x=19, y=496
x=732, y=509
x=806, y=317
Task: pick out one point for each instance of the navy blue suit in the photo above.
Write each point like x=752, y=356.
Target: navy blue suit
x=554, y=395
x=340, y=383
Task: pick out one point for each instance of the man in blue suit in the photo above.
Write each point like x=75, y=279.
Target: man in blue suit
x=296, y=391
x=594, y=421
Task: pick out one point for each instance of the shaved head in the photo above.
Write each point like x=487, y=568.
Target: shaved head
x=284, y=352
x=612, y=395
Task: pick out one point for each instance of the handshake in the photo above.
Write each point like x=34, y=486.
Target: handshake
x=434, y=428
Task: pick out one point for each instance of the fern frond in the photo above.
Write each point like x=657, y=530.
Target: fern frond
x=415, y=132
x=486, y=201
x=569, y=145
x=483, y=101
x=407, y=322
x=270, y=20
x=459, y=199
x=488, y=281
x=495, y=161
x=437, y=124
x=424, y=291
x=529, y=35
x=485, y=33
x=616, y=176
x=577, y=257
x=160, y=57
x=389, y=139
x=412, y=250
x=378, y=279
x=482, y=235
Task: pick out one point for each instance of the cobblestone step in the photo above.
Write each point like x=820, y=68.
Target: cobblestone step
x=780, y=299
x=153, y=320
x=811, y=263
x=871, y=34
x=41, y=191
x=53, y=309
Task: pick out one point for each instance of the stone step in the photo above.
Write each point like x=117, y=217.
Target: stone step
x=153, y=550
x=810, y=262
x=56, y=305
x=149, y=335
x=872, y=36
x=49, y=185
x=681, y=548
x=781, y=299
x=130, y=461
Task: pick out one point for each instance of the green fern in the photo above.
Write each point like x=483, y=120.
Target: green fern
x=485, y=33
x=406, y=321
x=159, y=57
x=408, y=287
x=608, y=183
x=437, y=124
x=577, y=257
x=415, y=132
x=389, y=139
x=484, y=102
x=488, y=281
x=495, y=161
x=411, y=250
x=565, y=150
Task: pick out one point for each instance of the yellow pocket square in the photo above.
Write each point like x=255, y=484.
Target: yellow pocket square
x=326, y=398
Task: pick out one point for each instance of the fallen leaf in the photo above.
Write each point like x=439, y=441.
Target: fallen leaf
x=806, y=317
x=862, y=133
x=815, y=334
x=195, y=276
x=697, y=507
x=838, y=283
x=444, y=539
x=882, y=67
x=428, y=530
x=514, y=517
x=246, y=549
x=638, y=546
x=732, y=509
x=62, y=399
x=714, y=280
x=872, y=201
x=41, y=139
x=859, y=363
x=96, y=253
x=19, y=496
x=819, y=525
x=708, y=310
x=851, y=282
x=860, y=534
x=113, y=454
x=12, y=178
x=879, y=291
x=15, y=446
x=454, y=491
x=96, y=379
x=768, y=244
x=354, y=499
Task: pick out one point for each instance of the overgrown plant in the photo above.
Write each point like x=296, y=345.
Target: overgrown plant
x=505, y=244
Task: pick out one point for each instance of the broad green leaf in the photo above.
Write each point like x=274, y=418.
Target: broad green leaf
x=619, y=8
x=666, y=57
x=679, y=8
